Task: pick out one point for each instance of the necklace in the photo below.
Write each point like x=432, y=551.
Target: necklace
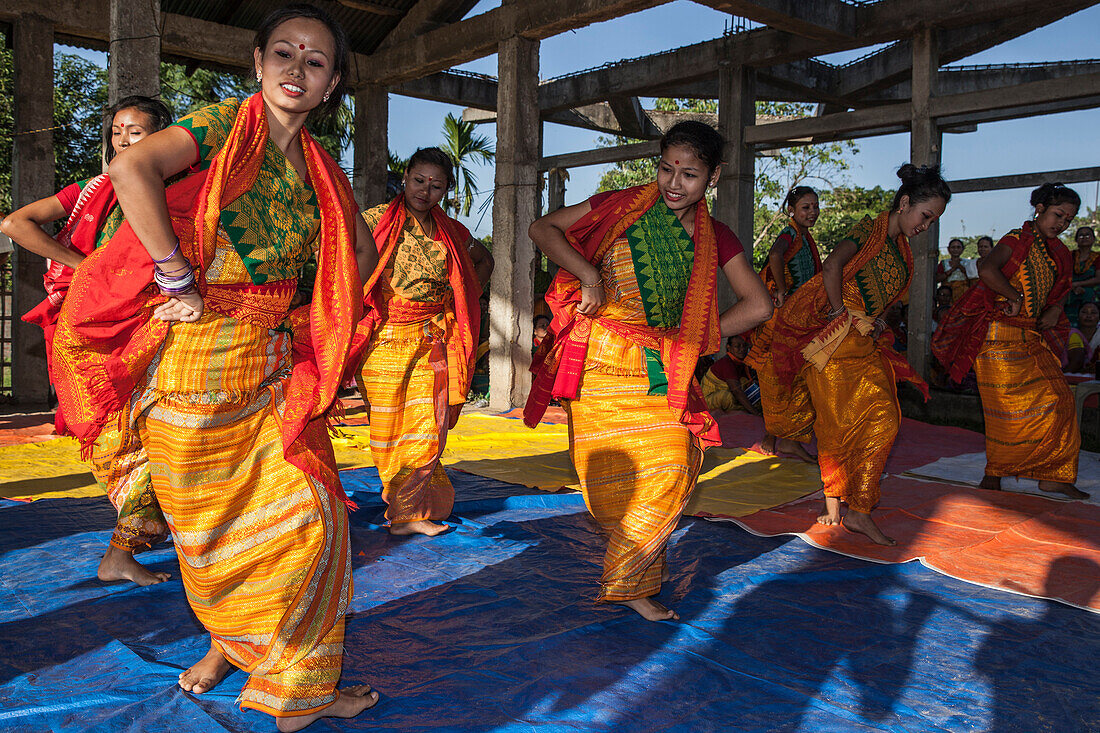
x=429, y=231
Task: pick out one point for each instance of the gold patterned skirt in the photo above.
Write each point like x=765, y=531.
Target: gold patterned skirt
x=858, y=417
x=1030, y=418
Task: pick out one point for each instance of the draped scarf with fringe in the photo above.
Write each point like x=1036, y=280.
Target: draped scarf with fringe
x=804, y=334
x=559, y=362
x=106, y=337
x=959, y=338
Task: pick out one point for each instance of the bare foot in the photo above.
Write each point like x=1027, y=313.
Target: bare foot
x=993, y=483
x=204, y=674
x=350, y=701
x=863, y=524
x=118, y=564
x=794, y=448
x=649, y=609
x=767, y=445
x=1058, y=487
x=831, y=516
x=422, y=526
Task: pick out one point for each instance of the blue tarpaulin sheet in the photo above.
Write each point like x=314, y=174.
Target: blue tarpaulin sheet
x=492, y=627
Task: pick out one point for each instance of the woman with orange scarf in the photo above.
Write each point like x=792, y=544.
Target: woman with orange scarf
x=417, y=341
x=140, y=523
x=634, y=306
x=183, y=323
x=1012, y=329
x=792, y=261
x=831, y=333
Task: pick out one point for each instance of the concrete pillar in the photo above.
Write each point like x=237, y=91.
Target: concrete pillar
x=511, y=296
x=925, y=145
x=133, y=63
x=556, y=194
x=32, y=178
x=734, y=206
x=371, y=144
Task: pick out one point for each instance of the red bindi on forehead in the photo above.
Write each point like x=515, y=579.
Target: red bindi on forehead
x=301, y=47
x=676, y=162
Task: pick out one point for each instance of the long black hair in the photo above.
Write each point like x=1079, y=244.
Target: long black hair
x=339, y=46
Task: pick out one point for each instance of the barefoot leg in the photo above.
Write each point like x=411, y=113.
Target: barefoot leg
x=767, y=446
x=422, y=526
x=649, y=609
x=794, y=448
x=350, y=701
x=1058, y=487
x=204, y=674
x=863, y=524
x=831, y=515
x=993, y=483
x=119, y=564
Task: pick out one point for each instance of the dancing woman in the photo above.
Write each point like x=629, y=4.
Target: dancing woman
x=831, y=332
x=418, y=341
x=140, y=522
x=1012, y=329
x=792, y=261
x=634, y=307
x=225, y=387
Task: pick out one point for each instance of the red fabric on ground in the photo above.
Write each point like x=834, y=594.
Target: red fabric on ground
x=997, y=539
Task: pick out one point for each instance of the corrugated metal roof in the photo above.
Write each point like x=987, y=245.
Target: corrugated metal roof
x=365, y=28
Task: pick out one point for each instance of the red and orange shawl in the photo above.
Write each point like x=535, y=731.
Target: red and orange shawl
x=461, y=276
x=804, y=317
x=805, y=239
x=106, y=337
x=959, y=338
x=559, y=362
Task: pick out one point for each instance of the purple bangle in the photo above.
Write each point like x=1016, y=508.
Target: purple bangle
x=170, y=254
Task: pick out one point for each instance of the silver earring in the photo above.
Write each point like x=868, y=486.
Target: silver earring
x=325, y=98
x=259, y=76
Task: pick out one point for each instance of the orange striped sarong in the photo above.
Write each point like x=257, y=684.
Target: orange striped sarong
x=120, y=464
x=405, y=375
x=263, y=546
x=1030, y=421
x=857, y=419
x=787, y=409
x=637, y=463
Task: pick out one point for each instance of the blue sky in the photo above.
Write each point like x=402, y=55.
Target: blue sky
x=1054, y=142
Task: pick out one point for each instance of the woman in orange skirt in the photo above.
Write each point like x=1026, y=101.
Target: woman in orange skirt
x=634, y=307
x=1012, y=329
x=831, y=333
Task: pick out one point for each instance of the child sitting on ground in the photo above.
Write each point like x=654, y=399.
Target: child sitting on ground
x=730, y=384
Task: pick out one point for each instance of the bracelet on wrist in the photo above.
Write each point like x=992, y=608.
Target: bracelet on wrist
x=597, y=284
x=171, y=254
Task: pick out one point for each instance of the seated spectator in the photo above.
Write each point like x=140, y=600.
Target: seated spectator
x=944, y=297
x=1085, y=275
x=955, y=272
x=1083, y=341
x=730, y=384
x=542, y=327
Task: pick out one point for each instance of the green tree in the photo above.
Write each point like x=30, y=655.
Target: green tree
x=464, y=148
x=7, y=124
x=395, y=163
x=842, y=207
x=79, y=98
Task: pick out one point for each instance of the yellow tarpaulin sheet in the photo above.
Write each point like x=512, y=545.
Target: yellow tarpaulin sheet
x=733, y=483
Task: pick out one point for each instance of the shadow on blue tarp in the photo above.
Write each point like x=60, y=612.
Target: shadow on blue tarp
x=491, y=627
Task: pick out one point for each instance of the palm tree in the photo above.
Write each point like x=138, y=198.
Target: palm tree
x=464, y=147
